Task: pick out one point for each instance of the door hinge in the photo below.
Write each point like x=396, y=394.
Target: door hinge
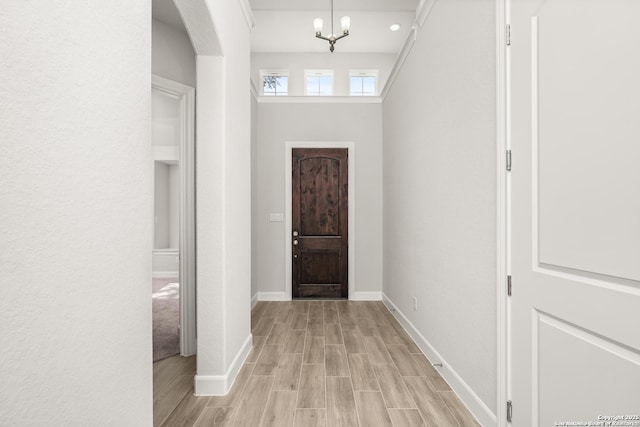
x=509, y=160
x=509, y=285
x=509, y=411
x=507, y=34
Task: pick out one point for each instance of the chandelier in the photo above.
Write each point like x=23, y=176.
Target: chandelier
x=331, y=38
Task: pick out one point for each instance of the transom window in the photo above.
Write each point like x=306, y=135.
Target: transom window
x=363, y=83
x=318, y=82
x=275, y=83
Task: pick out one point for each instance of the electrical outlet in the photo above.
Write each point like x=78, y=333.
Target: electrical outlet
x=415, y=303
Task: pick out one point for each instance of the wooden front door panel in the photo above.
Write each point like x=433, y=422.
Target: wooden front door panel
x=320, y=222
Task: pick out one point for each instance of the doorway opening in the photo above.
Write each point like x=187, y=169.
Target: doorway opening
x=319, y=261
x=173, y=258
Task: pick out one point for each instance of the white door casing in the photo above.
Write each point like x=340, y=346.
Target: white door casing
x=185, y=95
x=575, y=210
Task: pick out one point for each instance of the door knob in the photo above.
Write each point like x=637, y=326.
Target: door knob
x=295, y=233
x=295, y=256
x=295, y=242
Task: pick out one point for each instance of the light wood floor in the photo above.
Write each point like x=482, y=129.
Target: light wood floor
x=317, y=363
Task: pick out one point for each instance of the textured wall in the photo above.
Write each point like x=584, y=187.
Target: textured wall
x=440, y=189
x=223, y=185
x=76, y=197
x=173, y=56
x=278, y=123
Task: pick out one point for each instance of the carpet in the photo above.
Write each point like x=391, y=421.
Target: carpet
x=166, y=318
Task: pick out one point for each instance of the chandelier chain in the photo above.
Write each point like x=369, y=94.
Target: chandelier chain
x=332, y=32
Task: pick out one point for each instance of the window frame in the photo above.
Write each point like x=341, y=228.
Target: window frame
x=318, y=73
x=363, y=73
x=274, y=73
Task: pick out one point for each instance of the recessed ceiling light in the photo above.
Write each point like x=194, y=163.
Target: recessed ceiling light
x=394, y=27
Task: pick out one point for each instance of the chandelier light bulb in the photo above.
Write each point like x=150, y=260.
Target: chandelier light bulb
x=331, y=37
x=346, y=23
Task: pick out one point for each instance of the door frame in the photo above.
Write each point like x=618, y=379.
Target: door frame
x=288, y=266
x=503, y=219
x=187, y=267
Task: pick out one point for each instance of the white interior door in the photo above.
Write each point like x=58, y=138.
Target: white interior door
x=575, y=137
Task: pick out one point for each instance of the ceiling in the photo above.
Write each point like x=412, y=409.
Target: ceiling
x=371, y=5
x=165, y=11
x=286, y=26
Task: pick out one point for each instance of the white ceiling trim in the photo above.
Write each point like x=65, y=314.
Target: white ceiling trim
x=248, y=14
x=402, y=56
x=319, y=100
x=423, y=11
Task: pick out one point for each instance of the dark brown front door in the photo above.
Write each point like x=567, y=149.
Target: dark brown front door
x=320, y=237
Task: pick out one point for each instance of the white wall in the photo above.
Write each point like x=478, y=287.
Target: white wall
x=174, y=206
x=166, y=205
x=340, y=63
x=161, y=205
x=254, y=192
x=278, y=123
x=165, y=126
x=166, y=263
x=173, y=56
x=440, y=190
x=76, y=196
x=221, y=37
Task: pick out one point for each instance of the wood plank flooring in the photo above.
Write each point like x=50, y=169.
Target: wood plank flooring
x=317, y=363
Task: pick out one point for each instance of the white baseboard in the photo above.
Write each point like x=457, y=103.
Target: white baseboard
x=219, y=385
x=282, y=296
x=165, y=275
x=273, y=296
x=366, y=296
x=469, y=398
x=254, y=301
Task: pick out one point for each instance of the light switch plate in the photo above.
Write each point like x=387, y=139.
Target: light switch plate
x=276, y=217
